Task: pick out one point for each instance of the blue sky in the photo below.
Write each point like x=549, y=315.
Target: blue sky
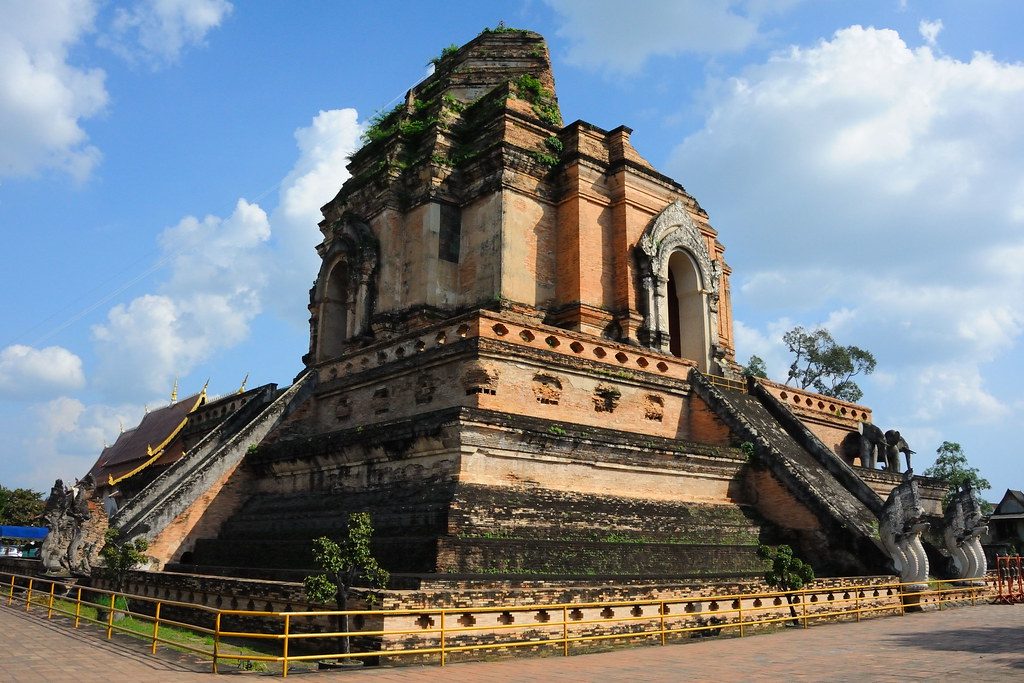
x=162, y=164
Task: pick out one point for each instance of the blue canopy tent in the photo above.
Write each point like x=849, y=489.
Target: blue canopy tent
x=25, y=533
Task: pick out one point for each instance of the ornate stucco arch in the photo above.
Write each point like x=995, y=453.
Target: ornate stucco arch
x=673, y=231
x=346, y=284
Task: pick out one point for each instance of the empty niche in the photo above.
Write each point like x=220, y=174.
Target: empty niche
x=814, y=598
x=480, y=379
x=665, y=609
x=505, y=618
x=425, y=621
x=713, y=606
x=777, y=601
x=830, y=597
x=735, y=604
x=606, y=398
x=607, y=613
x=381, y=404
x=449, y=240
x=576, y=614
x=757, y=602
x=547, y=389
x=543, y=616
x=425, y=386
x=467, y=620
x=637, y=611
x=654, y=408
x=527, y=336
x=343, y=408
x=462, y=331
x=250, y=606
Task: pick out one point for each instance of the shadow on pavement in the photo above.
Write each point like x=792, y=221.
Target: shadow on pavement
x=989, y=640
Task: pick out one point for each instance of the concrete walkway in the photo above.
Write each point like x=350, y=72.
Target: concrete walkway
x=984, y=643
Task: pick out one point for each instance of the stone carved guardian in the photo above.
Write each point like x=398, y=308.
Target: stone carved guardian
x=671, y=231
x=964, y=529
x=900, y=528
x=66, y=549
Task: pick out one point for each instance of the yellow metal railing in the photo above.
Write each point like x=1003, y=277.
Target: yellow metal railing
x=443, y=632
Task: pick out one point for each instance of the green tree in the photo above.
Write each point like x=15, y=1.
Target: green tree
x=787, y=572
x=951, y=467
x=343, y=564
x=120, y=556
x=825, y=366
x=755, y=368
x=20, y=507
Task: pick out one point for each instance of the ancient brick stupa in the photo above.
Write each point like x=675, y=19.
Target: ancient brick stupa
x=521, y=362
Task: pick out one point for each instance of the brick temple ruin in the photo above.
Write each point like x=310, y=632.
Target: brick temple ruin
x=521, y=363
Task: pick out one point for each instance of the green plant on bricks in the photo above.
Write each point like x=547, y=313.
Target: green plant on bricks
x=343, y=564
x=120, y=556
x=787, y=572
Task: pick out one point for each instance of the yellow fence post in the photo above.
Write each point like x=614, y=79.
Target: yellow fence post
x=78, y=607
x=156, y=625
x=49, y=606
x=899, y=593
x=216, y=641
x=10, y=598
x=740, y=603
x=856, y=603
x=661, y=611
x=110, y=617
x=28, y=596
x=442, y=637
x=565, y=631
x=803, y=605
x=284, y=648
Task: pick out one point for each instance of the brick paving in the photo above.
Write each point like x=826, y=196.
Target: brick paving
x=984, y=643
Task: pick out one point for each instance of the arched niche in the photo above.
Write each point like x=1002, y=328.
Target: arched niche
x=686, y=309
x=678, y=287
x=335, y=310
x=342, y=298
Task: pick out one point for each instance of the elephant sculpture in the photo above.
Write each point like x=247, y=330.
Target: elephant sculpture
x=870, y=444
x=894, y=445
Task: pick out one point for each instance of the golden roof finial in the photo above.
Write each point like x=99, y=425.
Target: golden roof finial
x=174, y=390
x=245, y=379
x=203, y=392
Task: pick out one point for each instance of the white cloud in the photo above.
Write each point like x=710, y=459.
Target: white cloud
x=876, y=188
x=158, y=30
x=67, y=437
x=930, y=30
x=601, y=37
x=218, y=273
x=44, y=98
x=29, y=372
x=324, y=148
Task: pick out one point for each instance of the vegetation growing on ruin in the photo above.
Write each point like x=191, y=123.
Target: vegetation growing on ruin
x=445, y=53
x=540, y=98
x=501, y=28
x=952, y=468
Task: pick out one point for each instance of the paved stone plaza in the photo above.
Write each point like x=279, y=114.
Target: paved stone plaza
x=984, y=643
